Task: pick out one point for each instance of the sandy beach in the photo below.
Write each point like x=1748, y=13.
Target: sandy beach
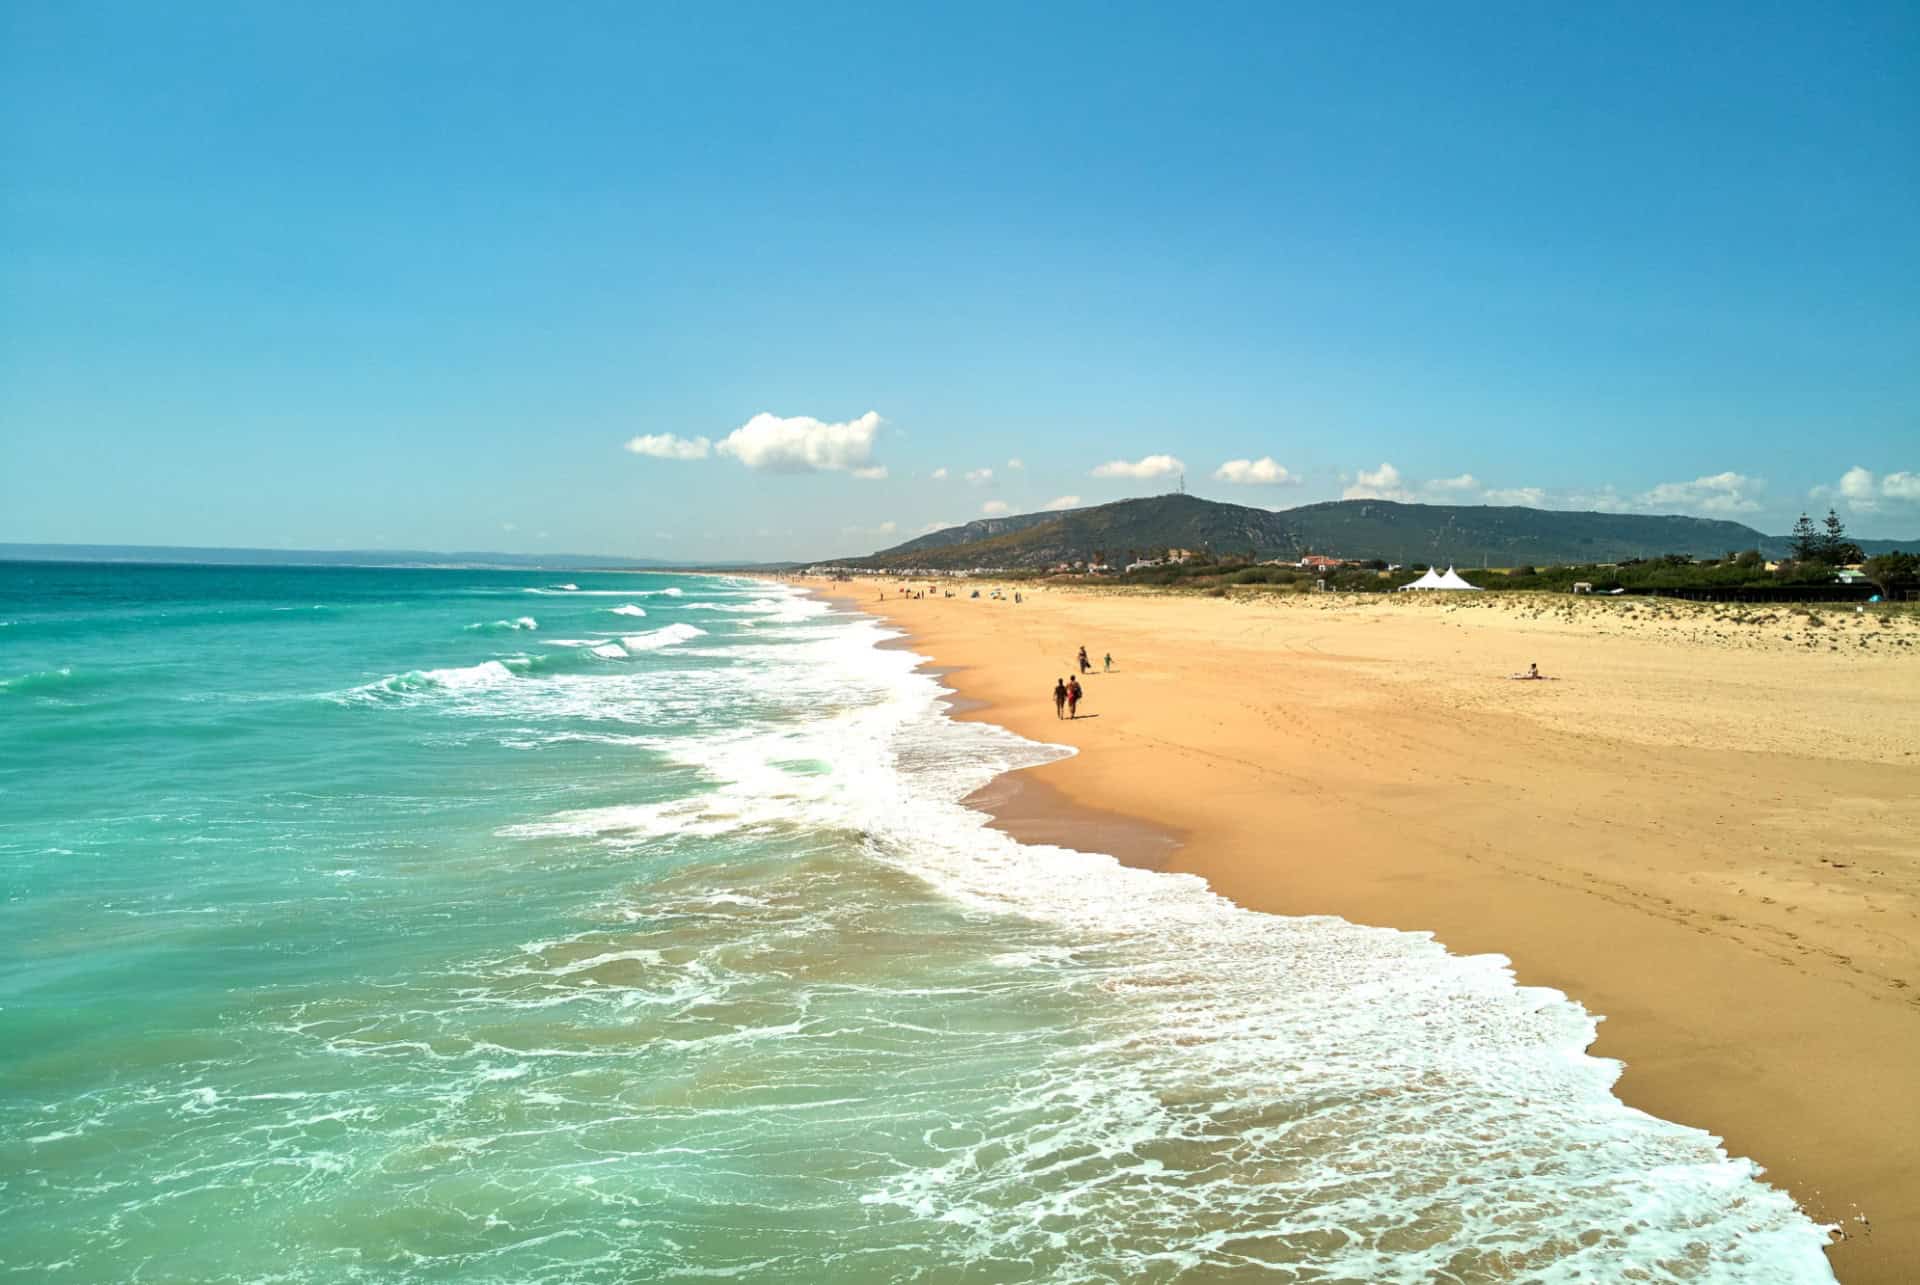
x=1705, y=830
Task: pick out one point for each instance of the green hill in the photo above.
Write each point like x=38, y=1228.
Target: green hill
x=1112, y=530
x=1467, y=535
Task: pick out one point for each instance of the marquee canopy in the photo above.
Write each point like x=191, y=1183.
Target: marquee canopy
x=1451, y=580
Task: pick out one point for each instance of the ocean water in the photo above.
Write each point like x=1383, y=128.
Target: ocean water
x=376, y=925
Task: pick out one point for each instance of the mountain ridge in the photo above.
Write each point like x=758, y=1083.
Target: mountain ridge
x=1465, y=534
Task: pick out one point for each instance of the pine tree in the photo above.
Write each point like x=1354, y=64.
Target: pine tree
x=1834, y=545
x=1805, y=540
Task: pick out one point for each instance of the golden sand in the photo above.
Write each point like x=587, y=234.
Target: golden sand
x=1706, y=830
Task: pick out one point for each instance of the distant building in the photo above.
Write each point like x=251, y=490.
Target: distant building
x=1321, y=562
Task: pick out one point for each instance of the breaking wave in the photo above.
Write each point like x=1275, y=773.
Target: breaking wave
x=467, y=678
x=663, y=637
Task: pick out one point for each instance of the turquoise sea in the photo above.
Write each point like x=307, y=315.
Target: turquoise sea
x=445, y=926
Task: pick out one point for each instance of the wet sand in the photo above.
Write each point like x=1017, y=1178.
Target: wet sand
x=1708, y=830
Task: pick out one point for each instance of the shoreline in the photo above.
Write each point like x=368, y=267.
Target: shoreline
x=1804, y=1070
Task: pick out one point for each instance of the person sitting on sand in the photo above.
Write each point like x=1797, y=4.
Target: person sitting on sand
x=1073, y=698
x=1533, y=675
x=1059, y=696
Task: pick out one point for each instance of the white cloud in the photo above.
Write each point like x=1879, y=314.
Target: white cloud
x=1059, y=502
x=1715, y=493
x=665, y=446
x=872, y=473
x=1859, y=489
x=979, y=477
x=1150, y=467
x=1901, y=486
x=1261, y=472
x=994, y=508
x=1465, y=482
x=1857, y=483
x=1016, y=463
x=931, y=527
x=802, y=444
x=940, y=475
x=1531, y=497
x=1382, y=483
x=885, y=528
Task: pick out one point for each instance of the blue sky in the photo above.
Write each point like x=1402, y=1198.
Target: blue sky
x=421, y=274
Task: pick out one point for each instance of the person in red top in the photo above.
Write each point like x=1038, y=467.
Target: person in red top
x=1073, y=698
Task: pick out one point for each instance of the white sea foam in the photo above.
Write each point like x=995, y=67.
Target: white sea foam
x=609, y=651
x=784, y=609
x=1431, y=1115
x=628, y=609
x=497, y=626
x=666, y=636
x=425, y=682
x=671, y=591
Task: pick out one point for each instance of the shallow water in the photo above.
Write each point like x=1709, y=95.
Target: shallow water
x=467, y=926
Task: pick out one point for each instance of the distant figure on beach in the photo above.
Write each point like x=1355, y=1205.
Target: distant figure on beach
x=1073, y=698
x=1059, y=697
x=1533, y=675
x=1109, y=662
x=1086, y=666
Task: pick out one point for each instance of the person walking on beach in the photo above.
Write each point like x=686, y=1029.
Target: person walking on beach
x=1109, y=662
x=1059, y=696
x=1086, y=666
x=1073, y=698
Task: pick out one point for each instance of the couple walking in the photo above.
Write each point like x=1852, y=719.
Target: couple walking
x=1066, y=696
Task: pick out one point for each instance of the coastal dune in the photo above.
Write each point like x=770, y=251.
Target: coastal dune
x=1704, y=830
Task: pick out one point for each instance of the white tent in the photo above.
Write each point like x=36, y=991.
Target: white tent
x=1427, y=581
x=1451, y=580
